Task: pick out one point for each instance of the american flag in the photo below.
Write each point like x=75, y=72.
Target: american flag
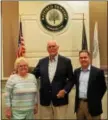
x=21, y=45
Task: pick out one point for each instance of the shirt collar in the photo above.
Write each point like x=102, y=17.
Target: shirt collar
x=88, y=69
x=55, y=58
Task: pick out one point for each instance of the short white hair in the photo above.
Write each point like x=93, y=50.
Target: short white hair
x=18, y=60
x=52, y=41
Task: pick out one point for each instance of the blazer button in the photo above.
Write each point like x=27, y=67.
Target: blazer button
x=49, y=90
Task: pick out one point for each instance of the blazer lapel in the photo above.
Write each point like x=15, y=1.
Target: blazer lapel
x=90, y=76
x=77, y=81
x=46, y=68
x=57, y=68
x=78, y=75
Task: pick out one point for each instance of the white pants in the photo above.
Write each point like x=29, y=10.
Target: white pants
x=52, y=112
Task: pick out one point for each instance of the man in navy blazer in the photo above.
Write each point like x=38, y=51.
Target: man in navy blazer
x=56, y=76
x=90, y=88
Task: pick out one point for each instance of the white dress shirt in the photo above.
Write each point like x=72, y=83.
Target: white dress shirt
x=52, y=67
x=83, y=82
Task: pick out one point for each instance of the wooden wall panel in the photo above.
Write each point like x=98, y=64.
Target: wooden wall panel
x=98, y=12
x=10, y=22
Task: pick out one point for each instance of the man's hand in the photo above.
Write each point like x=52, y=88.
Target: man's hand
x=61, y=94
x=8, y=113
x=36, y=109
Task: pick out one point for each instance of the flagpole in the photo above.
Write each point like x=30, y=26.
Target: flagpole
x=79, y=18
x=84, y=38
x=20, y=18
x=83, y=18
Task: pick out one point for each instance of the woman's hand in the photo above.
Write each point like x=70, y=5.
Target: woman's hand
x=8, y=112
x=36, y=108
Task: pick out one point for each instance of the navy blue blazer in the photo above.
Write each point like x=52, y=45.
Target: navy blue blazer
x=62, y=80
x=95, y=92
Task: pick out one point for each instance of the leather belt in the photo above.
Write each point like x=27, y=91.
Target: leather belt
x=83, y=99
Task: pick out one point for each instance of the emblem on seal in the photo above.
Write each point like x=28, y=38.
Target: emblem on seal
x=54, y=17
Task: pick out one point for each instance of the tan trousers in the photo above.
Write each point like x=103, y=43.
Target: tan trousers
x=52, y=112
x=83, y=112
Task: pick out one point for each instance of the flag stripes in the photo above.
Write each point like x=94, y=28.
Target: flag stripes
x=21, y=45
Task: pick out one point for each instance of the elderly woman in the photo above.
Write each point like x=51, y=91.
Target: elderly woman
x=21, y=93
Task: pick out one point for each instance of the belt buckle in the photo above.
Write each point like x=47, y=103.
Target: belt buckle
x=84, y=100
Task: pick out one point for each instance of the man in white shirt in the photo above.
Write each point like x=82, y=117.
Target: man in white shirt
x=56, y=76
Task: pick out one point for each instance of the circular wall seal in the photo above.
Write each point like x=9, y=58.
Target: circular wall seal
x=54, y=17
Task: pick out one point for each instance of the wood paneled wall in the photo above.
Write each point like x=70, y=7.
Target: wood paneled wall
x=10, y=22
x=98, y=11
